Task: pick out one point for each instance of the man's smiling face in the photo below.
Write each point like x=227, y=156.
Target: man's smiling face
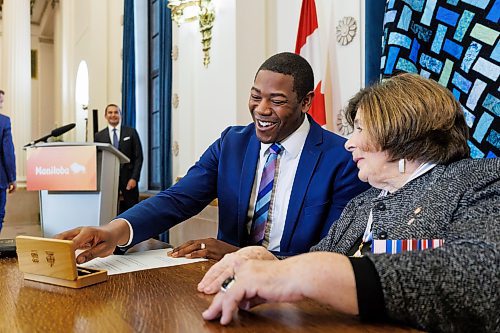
x=274, y=107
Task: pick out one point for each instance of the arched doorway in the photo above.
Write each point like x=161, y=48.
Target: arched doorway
x=82, y=102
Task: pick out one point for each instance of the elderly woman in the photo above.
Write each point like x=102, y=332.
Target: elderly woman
x=410, y=144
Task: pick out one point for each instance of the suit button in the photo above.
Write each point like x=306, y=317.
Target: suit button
x=382, y=235
x=380, y=206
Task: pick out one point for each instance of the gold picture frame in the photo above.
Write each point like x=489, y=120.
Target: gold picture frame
x=34, y=64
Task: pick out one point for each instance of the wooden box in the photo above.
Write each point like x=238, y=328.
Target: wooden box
x=53, y=261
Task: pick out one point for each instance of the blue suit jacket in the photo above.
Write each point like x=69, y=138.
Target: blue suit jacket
x=325, y=181
x=7, y=156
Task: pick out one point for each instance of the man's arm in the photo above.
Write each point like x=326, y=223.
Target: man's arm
x=181, y=201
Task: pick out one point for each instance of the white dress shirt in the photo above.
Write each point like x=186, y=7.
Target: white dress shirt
x=289, y=161
x=110, y=131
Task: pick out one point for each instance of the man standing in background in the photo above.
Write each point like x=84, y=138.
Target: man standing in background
x=126, y=140
x=7, y=161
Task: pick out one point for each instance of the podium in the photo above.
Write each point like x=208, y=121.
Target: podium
x=78, y=183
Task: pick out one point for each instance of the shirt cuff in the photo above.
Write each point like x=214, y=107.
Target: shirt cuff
x=131, y=232
x=371, y=303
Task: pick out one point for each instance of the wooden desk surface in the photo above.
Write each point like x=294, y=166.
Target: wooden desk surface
x=158, y=300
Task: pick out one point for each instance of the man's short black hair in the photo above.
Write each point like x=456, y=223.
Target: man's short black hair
x=292, y=64
x=2, y=92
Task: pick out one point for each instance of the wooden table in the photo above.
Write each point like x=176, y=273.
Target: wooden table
x=157, y=300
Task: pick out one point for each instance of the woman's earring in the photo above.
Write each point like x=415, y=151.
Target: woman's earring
x=401, y=165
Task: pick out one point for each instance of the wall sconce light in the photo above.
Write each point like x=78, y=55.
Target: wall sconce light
x=191, y=10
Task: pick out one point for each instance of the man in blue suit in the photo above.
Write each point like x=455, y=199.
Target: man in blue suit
x=7, y=161
x=316, y=178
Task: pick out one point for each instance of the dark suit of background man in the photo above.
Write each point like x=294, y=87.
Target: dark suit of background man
x=7, y=161
x=129, y=144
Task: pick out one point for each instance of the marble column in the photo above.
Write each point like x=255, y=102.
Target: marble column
x=16, y=76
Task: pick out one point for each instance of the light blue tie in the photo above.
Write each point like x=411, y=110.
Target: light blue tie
x=115, y=139
x=262, y=205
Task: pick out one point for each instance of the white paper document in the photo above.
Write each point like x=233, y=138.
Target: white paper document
x=137, y=261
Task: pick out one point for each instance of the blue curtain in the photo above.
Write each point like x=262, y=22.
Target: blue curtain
x=165, y=92
x=128, y=66
x=165, y=97
x=374, y=18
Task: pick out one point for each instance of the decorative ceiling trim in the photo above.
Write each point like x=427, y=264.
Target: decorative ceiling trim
x=37, y=9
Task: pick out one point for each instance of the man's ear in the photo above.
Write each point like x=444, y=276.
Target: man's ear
x=307, y=101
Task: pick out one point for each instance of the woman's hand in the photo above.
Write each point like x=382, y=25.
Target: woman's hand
x=211, y=282
x=325, y=277
x=256, y=282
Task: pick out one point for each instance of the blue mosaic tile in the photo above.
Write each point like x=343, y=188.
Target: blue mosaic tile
x=474, y=151
x=406, y=66
x=461, y=82
x=494, y=138
x=389, y=17
x=477, y=3
x=469, y=117
x=475, y=93
x=452, y=48
x=463, y=25
x=444, y=78
x=438, y=38
x=493, y=104
x=447, y=16
x=494, y=13
x=399, y=39
x=420, y=32
x=487, y=68
x=391, y=59
x=415, y=46
x=382, y=61
x=428, y=12
x=482, y=126
x=470, y=56
x=455, y=42
x=425, y=73
x=405, y=18
x=431, y=63
x=491, y=155
x=417, y=5
x=495, y=54
x=484, y=34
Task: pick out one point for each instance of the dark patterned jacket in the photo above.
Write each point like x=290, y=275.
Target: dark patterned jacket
x=452, y=288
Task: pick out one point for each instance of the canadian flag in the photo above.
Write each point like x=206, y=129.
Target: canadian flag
x=308, y=47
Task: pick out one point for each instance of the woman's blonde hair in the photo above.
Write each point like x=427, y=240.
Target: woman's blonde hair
x=414, y=118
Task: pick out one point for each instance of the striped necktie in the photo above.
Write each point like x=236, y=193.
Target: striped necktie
x=263, y=203
x=115, y=139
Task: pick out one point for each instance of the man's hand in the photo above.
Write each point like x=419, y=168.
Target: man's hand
x=132, y=183
x=211, y=282
x=12, y=187
x=97, y=241
x=209, y=248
